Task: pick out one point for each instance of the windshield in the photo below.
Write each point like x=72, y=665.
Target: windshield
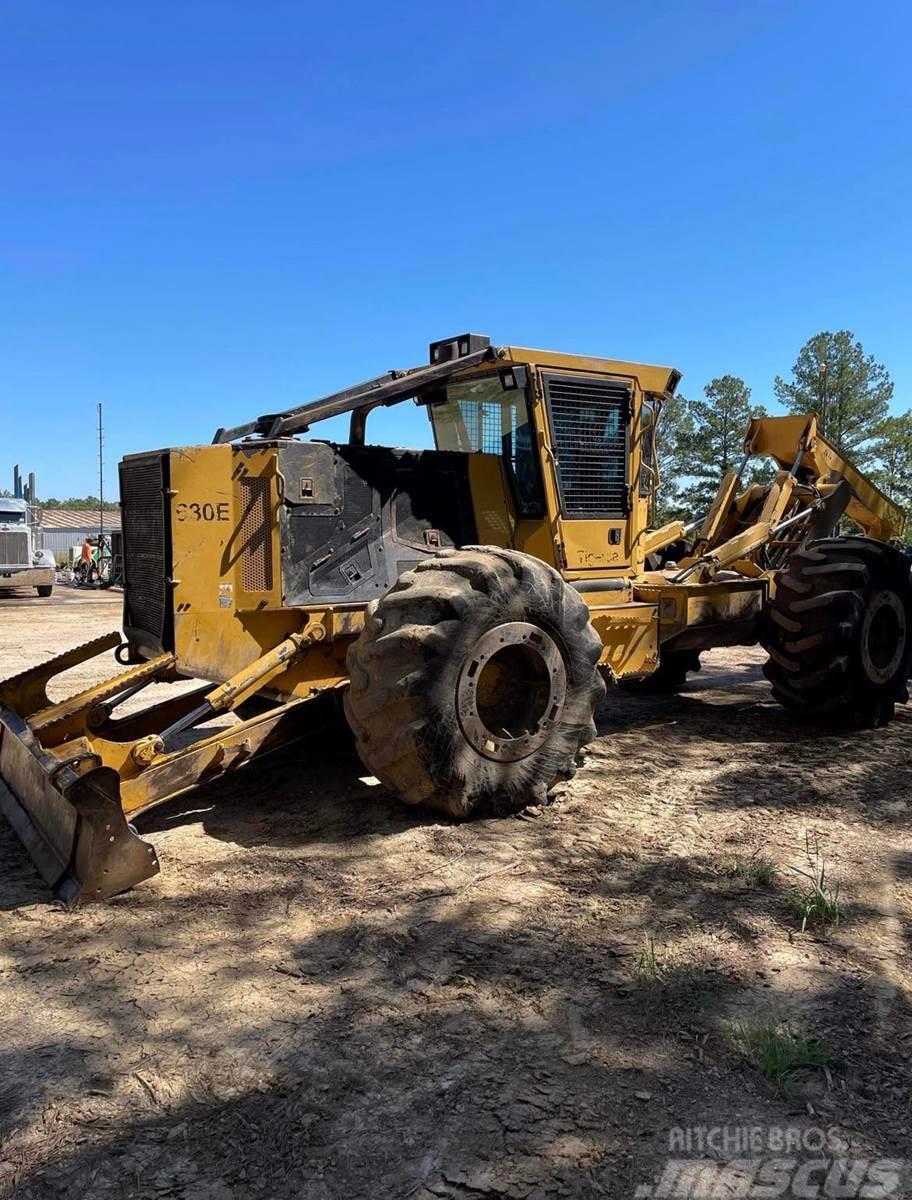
x=489, y=415
x=14, y=517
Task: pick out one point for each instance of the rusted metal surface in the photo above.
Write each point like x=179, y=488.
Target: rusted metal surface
x=71, y=824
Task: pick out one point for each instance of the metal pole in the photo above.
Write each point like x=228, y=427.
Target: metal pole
x=100, y=490
x=824, y=380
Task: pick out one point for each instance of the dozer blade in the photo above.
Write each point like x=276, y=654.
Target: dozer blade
x=72, y=825
x=70, y=774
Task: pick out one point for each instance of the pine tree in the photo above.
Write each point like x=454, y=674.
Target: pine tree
x=857, y=390
x=715, y=443
x=675, y=432
x=892, y=455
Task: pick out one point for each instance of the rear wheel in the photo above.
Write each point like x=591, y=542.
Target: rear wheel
x=44, y=589
x=839, y=635
x=474, y=682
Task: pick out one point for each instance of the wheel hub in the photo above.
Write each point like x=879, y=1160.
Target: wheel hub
x=883, y=637
x=511, y=691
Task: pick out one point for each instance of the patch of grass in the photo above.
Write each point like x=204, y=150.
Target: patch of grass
x=757, y=871
x=668, y=983
x=646, y=970
x=778, y=1053
x=814, y=900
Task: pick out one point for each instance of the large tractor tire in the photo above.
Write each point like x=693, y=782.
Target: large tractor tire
x=839, y=632
x=474, y=682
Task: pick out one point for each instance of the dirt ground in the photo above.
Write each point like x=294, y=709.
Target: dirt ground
x=325, y=994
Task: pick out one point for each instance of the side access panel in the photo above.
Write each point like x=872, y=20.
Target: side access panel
x=355, y=517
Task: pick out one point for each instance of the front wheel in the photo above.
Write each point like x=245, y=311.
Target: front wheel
x=474, y=682
x=839, y=632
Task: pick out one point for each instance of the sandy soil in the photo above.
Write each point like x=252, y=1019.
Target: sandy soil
x=325, y=994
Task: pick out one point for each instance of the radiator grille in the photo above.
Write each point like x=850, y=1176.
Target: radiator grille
x=589, y=419
x=146, y=557
x=256, y=535
x=14, y=548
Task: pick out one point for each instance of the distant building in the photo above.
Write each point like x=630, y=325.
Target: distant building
x=62, y=528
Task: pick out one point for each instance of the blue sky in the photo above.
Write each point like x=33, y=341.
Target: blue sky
x=208, y=211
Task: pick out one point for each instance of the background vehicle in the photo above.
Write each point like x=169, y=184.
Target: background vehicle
x=23, y=561
x=105, y=568
x=469, y=602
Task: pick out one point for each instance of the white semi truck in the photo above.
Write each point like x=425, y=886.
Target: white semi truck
x=23, y=564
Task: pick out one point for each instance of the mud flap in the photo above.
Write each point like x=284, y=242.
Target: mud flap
x=72, y=825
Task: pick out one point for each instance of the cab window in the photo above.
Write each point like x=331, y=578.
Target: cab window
x=490, y=415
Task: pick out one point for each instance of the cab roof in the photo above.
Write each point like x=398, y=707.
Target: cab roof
x=447, y=357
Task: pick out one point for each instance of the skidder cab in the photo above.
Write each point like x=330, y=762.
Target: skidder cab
x=467, y=603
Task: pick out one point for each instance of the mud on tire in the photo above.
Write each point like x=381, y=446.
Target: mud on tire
x=474, y=682
x=839, y=632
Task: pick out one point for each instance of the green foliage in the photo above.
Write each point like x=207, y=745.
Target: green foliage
x=756, y=871
x=814, y=900
x=777, y=1053
x=892, y=455
x=699, y=440
x=90, y=502
x=673, y=981
x=674, y=434
x=858, y=390
x=647, y=971
x=716, y=440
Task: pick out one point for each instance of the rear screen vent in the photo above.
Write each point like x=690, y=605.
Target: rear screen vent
x=589, y=420
x=256, y=534
x=147, y=552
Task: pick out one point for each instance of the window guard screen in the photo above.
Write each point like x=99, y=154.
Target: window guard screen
x=482, y=416
x=589, y=419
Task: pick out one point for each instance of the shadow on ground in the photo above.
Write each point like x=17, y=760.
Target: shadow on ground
x=330, y=995
x=427, y=1055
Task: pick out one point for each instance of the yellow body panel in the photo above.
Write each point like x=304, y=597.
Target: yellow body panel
x=222, y=620
x=650, y=378
x=701, y=606
x=495, y=515
x=630, y=637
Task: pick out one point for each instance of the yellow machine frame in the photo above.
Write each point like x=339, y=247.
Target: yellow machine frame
x=231, y=626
